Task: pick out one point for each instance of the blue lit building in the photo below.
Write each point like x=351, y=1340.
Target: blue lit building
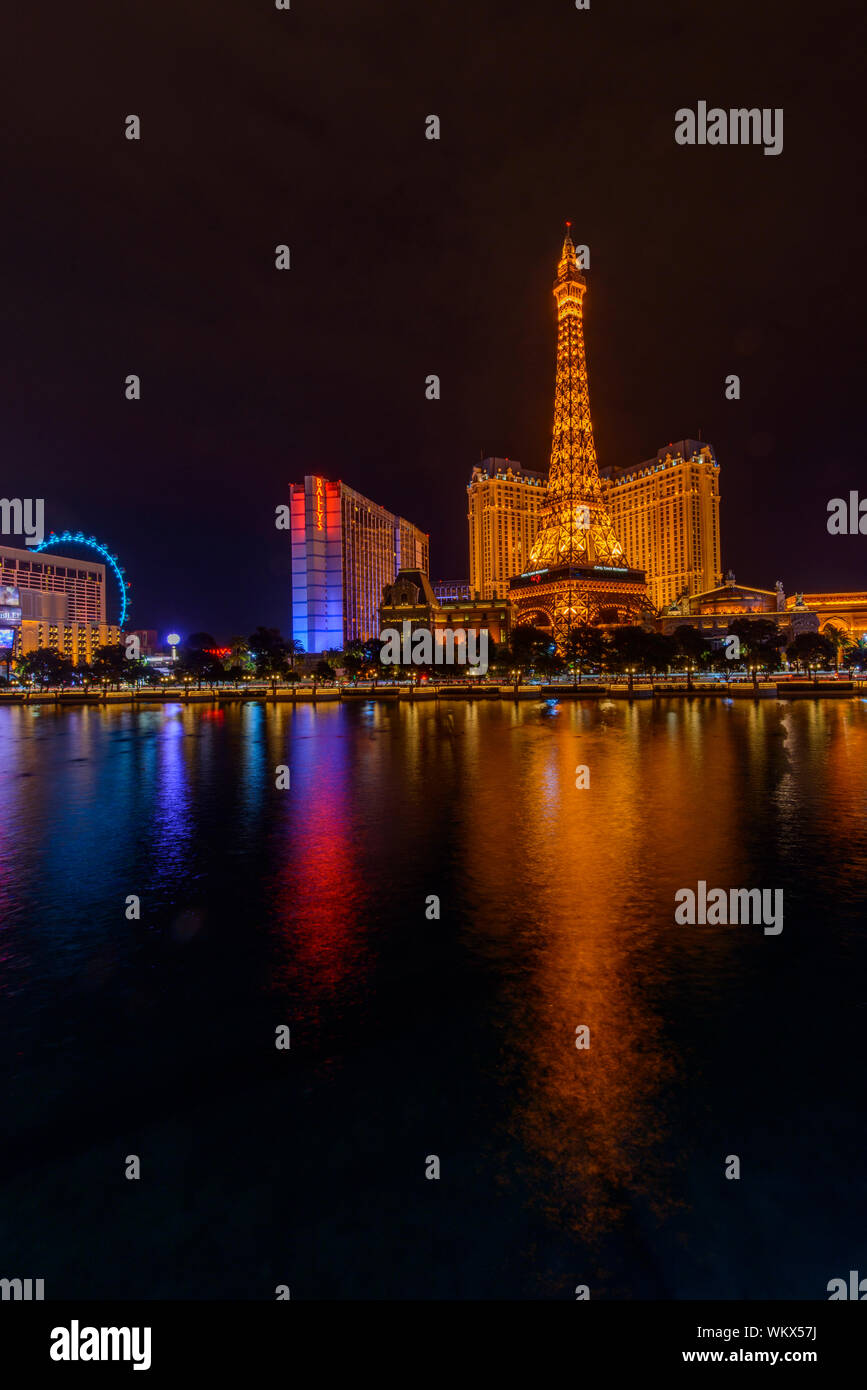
x=345, y=549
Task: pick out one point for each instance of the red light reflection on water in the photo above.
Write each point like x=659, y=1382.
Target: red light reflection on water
x=318, y=892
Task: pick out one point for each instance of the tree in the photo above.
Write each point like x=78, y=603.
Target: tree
x=627, y=648
x=109, y=665
x=691, y=648
x=839, y=639
x=499, y=658
x=855, y=652
x=65, y=671
x=550, y=663
x=46, y=668
x=660, y=651
x=584, y=648
x=691, y=645
x=810, y=649
x=324, y=670
x=355, y=658
x=239, y=656
x=271, y=654
x=530, y=647
x=137, y=672
x=373, y=652
x=199, y=666
x=360, y=658
x=199, y=642
x=155, y=676
x=760, y=641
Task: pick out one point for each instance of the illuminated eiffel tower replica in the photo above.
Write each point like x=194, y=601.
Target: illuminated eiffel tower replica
x=577, y=573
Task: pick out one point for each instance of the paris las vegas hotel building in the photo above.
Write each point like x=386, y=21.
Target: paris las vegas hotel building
x=648, y=547
x=664, y=511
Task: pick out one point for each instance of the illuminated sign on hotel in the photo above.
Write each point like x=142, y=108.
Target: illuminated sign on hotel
x=320, y=505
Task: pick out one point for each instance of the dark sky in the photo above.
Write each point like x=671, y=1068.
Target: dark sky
x=410, y=257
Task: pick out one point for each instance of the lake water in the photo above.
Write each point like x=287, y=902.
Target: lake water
x=413, y=1037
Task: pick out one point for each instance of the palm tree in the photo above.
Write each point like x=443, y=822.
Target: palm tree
x=854, y=652
x=239, y=654
x=355, y=658
x=272, y=654
x=840, y=639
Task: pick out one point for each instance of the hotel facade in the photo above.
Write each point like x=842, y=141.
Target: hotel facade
x=504, y=505
x=52, y=603
x=345, y=550
x=666, y=513
x=80, y=585
x=78, y=642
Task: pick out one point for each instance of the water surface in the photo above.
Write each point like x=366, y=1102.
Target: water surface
x=413, y=1037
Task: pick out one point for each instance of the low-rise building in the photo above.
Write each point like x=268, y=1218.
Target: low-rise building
x=446, y=589
x=78, y=642
x=839, y=615
x=713, y=611
x=411, y=599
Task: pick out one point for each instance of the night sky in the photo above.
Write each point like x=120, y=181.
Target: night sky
x=410, y=257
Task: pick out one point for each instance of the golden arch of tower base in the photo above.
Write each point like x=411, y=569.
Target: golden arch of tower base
x=561, y=601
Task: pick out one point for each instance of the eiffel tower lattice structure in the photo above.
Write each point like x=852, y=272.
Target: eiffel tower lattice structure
x=577, y=573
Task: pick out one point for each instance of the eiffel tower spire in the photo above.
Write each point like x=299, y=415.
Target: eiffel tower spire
x=577, y=572
x=576, y=528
